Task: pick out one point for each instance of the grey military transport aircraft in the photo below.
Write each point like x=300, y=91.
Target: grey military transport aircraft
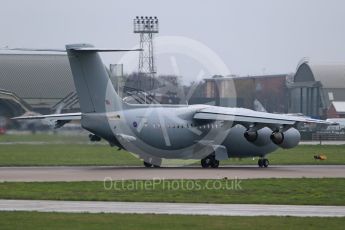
x=155, y=132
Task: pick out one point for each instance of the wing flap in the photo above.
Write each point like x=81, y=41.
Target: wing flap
x=244, y=119
x=242, y=115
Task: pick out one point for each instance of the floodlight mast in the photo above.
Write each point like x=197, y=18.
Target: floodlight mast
x=146, y=26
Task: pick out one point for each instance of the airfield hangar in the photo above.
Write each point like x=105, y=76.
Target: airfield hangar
x=262, y=92
x=36, y=82
x=317, y=88
x=43, y=83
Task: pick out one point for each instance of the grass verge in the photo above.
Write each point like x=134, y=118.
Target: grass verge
x=326, y=191
x=64, y=155
x=300, y=155
x=100, y=154
x=39, y=220
x=26, y=150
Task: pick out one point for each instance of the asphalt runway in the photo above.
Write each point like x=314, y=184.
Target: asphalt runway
x=172, y=208
x=93, y=173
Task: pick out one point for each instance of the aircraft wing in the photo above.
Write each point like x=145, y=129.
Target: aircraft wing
x=242, y=116
x=61, y=117
x=59, y=120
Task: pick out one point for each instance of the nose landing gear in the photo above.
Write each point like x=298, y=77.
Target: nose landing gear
x=210, y=161
x=263, y=163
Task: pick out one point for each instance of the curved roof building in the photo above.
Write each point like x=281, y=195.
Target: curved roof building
x=315, y=86
x=41, y=80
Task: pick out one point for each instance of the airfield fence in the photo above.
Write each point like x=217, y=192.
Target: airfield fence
x=329, y=136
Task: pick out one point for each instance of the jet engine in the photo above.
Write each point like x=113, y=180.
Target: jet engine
x=259, y=137
x=288, y=139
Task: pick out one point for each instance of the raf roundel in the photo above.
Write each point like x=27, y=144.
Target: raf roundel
x=135, y=124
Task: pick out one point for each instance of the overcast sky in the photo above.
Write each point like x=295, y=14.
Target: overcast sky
x=251, y=37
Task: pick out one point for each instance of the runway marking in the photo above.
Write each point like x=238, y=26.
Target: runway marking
x=99, y=173
x=172, y=208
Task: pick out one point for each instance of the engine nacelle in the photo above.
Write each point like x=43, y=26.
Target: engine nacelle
x=287, y=139
x=259, y=137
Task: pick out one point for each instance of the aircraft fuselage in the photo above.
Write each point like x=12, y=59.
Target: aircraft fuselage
x=171, y=132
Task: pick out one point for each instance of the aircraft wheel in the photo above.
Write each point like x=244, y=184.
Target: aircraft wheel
x=210, y=161
x=265, y=163
x=215, y=163
x=206, y=162
x=260, y=163
x=147, y=165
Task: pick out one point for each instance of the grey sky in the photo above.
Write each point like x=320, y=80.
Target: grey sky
x=249, y=36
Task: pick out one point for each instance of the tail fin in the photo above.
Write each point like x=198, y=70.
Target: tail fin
x=94, y=88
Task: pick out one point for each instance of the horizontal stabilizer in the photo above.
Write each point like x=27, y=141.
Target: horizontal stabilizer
x=38, y=50
x=94, y=49
x=80, y=49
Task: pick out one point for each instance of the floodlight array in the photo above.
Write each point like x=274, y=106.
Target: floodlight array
x=145, y=24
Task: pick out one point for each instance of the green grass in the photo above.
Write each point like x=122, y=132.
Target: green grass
x=327, y=191
x=77, y=150
x=301, y=155
x=44, y=137
x=59, y=154
x=39, y=220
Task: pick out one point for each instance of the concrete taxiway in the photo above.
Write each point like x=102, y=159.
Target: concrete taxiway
x=94, y=173
x=173, y=208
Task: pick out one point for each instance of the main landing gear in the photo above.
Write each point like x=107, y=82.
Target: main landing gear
x=263, y=163
x=149, y=165
x=210, y=161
